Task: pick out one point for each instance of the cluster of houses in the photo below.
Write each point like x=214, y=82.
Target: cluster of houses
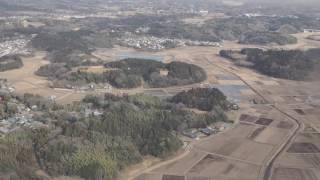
x=252, y=15
x=17, y=46
x=148, y=42
x=90, y=87
x=93, y=112
x=208, y=131
x=22, y=118
x=202, y=43
x=156, y=44
x=311, y=30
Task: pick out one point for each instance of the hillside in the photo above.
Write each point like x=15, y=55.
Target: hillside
x=128, y=73
x=286, y=64
x=264, y=38
x=114, y=133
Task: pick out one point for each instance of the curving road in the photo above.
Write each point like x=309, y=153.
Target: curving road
x=268, y=167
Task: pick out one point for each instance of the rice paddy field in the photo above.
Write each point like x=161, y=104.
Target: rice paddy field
x=266, y=123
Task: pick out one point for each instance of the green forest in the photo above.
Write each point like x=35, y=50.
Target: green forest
x=205, y=99
x=7, y=109
x=262, y=38
x=75, y=141
x=127, y=73
x=178, y=73
x=286, y=64
x=10, y=62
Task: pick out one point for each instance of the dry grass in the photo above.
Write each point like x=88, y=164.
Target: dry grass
x=294, y=174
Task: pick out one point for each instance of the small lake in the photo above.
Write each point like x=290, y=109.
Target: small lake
x=137, y=55
x=226, y=77
x=233, y=92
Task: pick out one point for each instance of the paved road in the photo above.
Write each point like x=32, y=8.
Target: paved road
x=268, y=167
x=185, y=153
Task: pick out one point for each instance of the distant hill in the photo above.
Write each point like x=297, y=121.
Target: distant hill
x=285, y=64
x=262, y=38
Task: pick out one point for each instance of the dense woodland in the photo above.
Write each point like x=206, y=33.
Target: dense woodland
x=64, y=44
x=128, y=73
x=205, y=99
x=287, y=64
x=101, y=135
x=53, y=71
x=178, y=73
x=77, y=141
x=234, y=28
x=10, y=62
x=64, y=47
x=93, y=146
x=61, y=41
x=73, y=48
x=262, y=38
x=7, y=108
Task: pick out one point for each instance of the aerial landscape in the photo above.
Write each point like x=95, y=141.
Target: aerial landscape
x=159, y=90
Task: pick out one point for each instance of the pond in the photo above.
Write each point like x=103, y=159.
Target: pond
x=226, y=77
x=233, y=92
x=137, y=55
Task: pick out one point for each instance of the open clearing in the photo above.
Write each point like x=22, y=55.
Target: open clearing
x=223, y=168
x=272, y=136
x=304, y=161
x=237, y=145
x=294, y=174
x=314, y=37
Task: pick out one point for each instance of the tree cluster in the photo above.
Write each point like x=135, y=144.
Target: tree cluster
x=96, y=147
x=205, y=99
x=10, y=62
x=128, y=73
x=178, y=73
x=286, y=64
x=262, y=38
x=7, y=107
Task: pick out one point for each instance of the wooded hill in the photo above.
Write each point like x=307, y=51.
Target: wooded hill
x=10, y=62
x=76, y=141
x=128, y=73
x=263, y=38
x=205, y=99
x=287, y=64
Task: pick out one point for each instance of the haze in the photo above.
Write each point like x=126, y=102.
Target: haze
x=159, y=90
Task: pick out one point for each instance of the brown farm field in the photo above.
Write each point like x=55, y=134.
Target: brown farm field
x=267, y=126
x=263, y=132
x=295, y=174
